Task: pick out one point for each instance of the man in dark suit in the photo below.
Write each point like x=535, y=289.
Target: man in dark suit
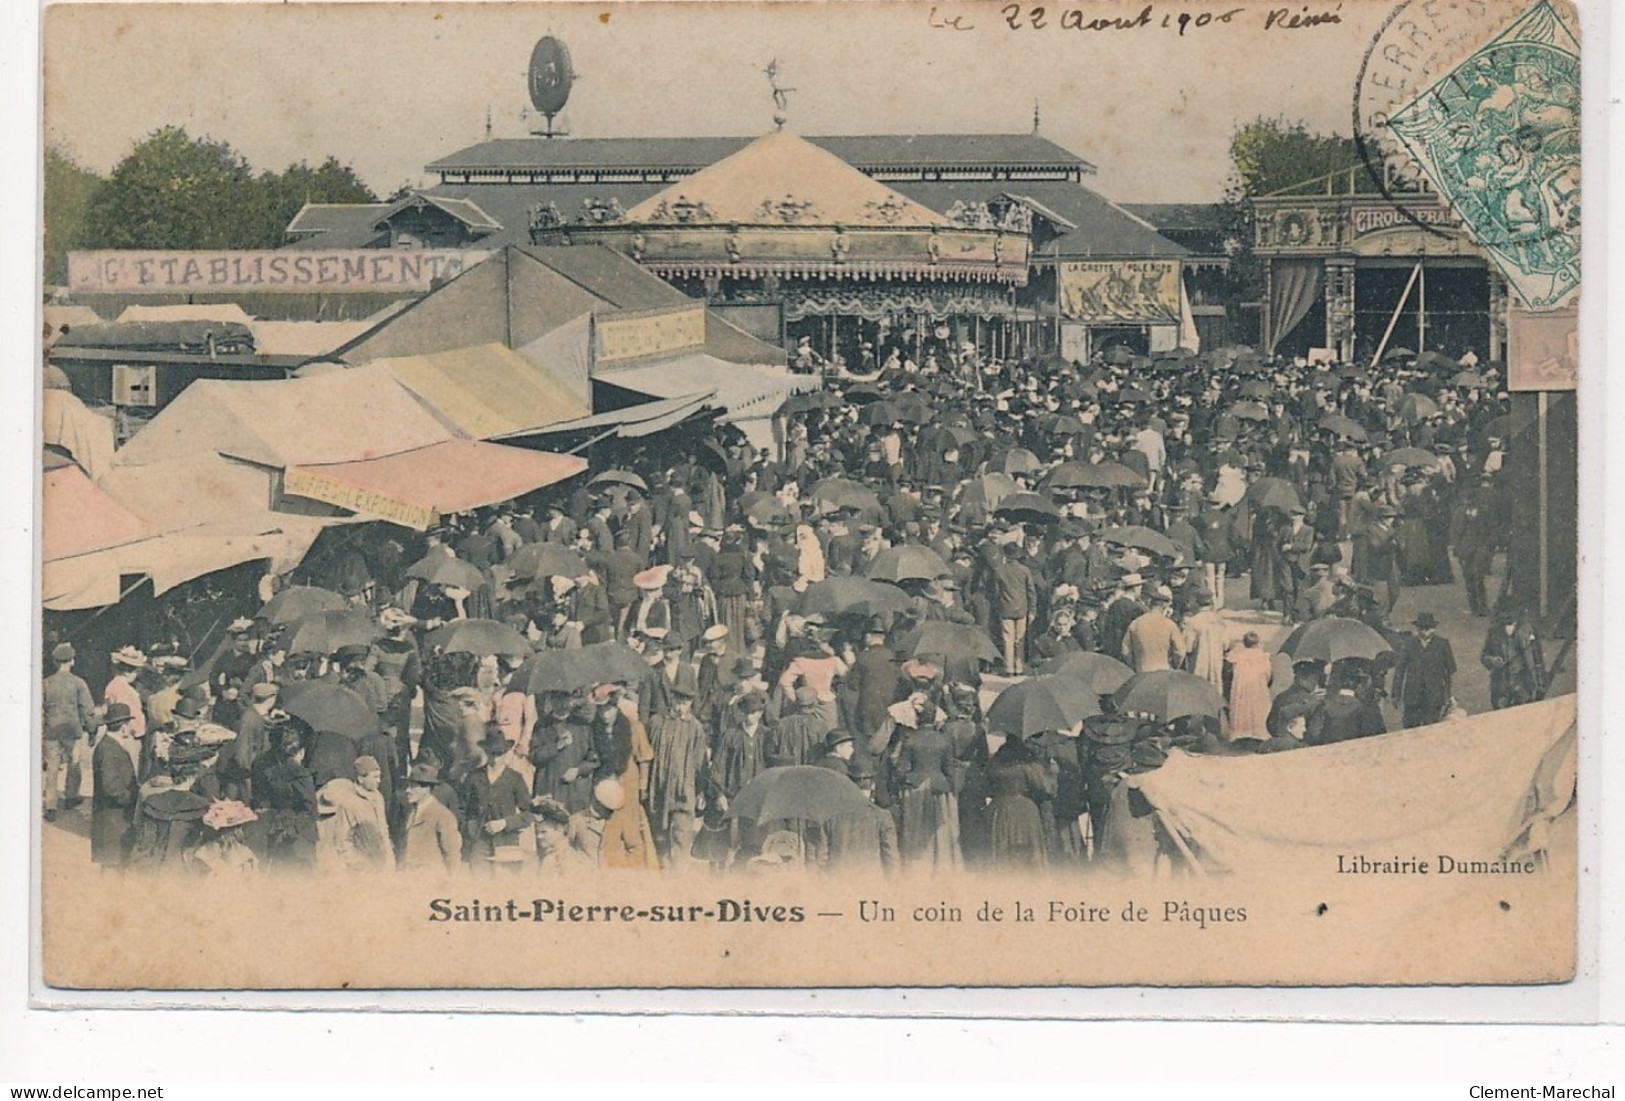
x=1517, y=667
x=1426, y=674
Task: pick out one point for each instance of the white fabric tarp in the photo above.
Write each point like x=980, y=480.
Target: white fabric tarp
x=82, y=433
x=1480, y=788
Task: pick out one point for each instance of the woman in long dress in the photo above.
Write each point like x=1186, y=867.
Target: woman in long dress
x=1204, y=642
x=1018, y=781
x=1250, y=673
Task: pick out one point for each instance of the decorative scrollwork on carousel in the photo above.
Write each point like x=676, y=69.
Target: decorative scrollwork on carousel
x=890, y=211
x=595, y=211
x=681, y=211
x=971, y=215
x=788, y=210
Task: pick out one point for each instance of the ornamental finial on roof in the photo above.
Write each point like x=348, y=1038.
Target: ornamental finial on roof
x=781, y=94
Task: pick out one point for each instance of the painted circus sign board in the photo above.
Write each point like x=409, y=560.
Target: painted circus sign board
x=302, y=270
x=1131, y=292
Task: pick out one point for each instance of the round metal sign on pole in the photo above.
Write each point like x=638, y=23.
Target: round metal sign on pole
x=550, y=77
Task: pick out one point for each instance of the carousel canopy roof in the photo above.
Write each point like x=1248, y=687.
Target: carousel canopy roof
x=782, y=179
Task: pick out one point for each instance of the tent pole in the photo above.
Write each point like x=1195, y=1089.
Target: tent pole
x=1421, y=308
x=1541, y=400
x=1382, y=346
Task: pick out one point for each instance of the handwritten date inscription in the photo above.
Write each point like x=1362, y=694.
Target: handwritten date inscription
x=1038, y=17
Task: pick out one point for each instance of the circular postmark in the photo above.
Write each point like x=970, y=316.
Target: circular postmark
x=1491, y=117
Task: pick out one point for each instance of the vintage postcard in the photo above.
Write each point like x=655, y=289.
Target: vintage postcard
x=633, y=495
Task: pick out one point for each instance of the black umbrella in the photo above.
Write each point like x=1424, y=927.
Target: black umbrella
x=805, y=793
x=1042, y=703
x=325, y=632
x=329, y=708
x=852, y=596
x=1074, y=475
x=908, y=562
x=1098, y=673
x=1274, y=493
x=948, y=641
x=1334, y=638
x=299, y=601
x=1028, y=508
x=573, y=670
x=477, y=636
x=1168, y=694
x=535, y=560
x=620, y=477
x=440, y=568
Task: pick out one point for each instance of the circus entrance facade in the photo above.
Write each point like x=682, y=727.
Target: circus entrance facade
x=1353, y=278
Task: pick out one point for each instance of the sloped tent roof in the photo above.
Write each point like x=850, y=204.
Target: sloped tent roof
x=512, y=298
x=781, y=165
x=332, y=417
x=486, y=391
x=535, y=300
x=415, y=487
x=71, y=425
x=79, y=517
x=304, y=338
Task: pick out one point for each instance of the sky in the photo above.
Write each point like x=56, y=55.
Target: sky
x=389, y=87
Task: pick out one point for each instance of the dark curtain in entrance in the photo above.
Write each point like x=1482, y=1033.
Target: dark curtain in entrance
x=1294, y=289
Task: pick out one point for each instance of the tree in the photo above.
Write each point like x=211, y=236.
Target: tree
x=68, y=191
x=176, y=192
x=1273, y=155
x=284, y=195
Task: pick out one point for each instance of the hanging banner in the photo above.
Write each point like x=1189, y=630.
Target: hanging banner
x=302, y=482
x=301, y=270
x=1121, y=292
x=1543, y=349
x=623, y=336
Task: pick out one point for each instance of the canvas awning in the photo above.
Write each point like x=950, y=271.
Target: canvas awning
x=635, y=421
x=486, y=391
x=744, y=391
x=415, y=488
x=80, y=517
x=94, y=580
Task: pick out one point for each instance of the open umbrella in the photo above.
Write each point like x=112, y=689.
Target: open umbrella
x=1075, y=475
x=1399, y=353
x=988, y=490
x=914, y=408
x=1016, y=460
x=806, y=403
x=1346, y=427
x=535, y=560
x=325, y=632
x=1417, y=407
x=1042, y=703
x=838, y=493
x=880, y=412
x=329, y=708
x=852, y=596
x=908, y=562
x=1249, y=411
x=1274, y=493
x=573, y=670
x=1096, y=672
x=1437, y=361
x=1028, y=508
x=1334, y=638
x=806, y=793
x=477, y=636
x=298, y=601
x=1467, y=380
x=948, y=641
x=1168, y=694
x=1249, y=365
x=440, y=568
x=1142, y=538
x=1062, y=424
x=1118, y=355
x=863, y=393
x=1131, y=395
x=1410, y=456
x=1258, y=388
x=620, y=477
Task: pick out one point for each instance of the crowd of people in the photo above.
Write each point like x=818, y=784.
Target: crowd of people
x=733, y=658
